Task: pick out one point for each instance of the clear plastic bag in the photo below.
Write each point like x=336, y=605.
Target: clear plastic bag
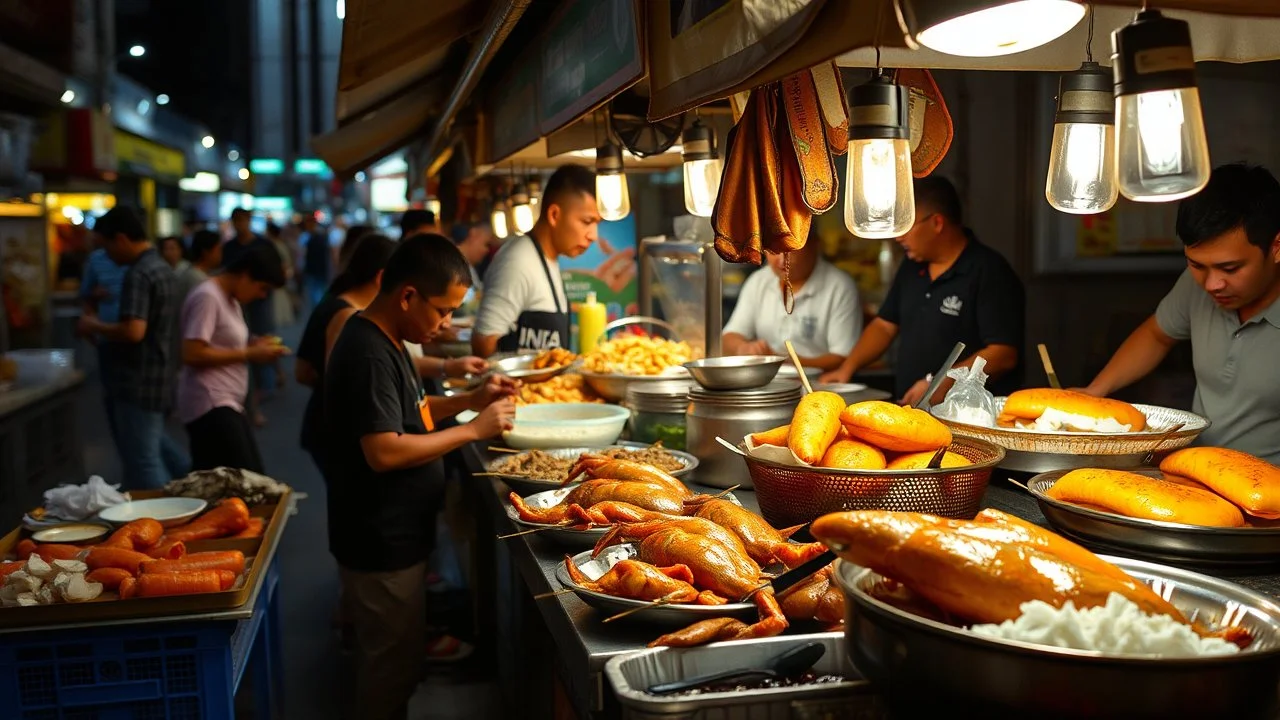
x=969, y=401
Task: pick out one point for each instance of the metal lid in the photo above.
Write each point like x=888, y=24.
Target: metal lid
x=662, y=397
x=778, y=392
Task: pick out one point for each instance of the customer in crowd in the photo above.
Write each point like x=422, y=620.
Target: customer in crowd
x=381, y=430
x=141, y=371
x=216, y=353
x=472, y=240
x=351, y=292
x=317, y=260
x=257, y=313
x=349, y=243
x=823, y=325
x=100, y=297
x=416, y=222
x=282, y=311
x=204, y=257
x=950, y=288
x=174, y=253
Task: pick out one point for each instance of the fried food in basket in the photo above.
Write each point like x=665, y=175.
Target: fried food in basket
x=1025, y=407
x=565, y=388
x=1141, y=496
x=920, y=461
x=555, y=357
x=637, y=355
x=777, y=436
x=854, y=455
x=892, y=427
x=1251, y=483
x=815, y=425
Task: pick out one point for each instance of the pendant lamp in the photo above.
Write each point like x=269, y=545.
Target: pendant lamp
x=498, y=220
x=1082, y=158
x=702, y=169
x=612, y=199
x=879, y=199
x=1163, y=154
x=521, y=212
x=985, y=28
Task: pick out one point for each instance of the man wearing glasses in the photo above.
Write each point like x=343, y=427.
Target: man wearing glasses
x=950, y=288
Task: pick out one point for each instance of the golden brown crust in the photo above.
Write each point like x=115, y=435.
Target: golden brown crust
x=1247, y=481
x=896, y=428
x=1029, y=405
x=1141, y=496
x=853, y=455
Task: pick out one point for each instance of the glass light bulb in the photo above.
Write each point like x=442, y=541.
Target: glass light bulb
x=522, y=218
x=702, y=186
x=879, y=199
x=612, y=199
x=1082, y=168
x=499, y=222
x=1163, y=152
x=1004, y=29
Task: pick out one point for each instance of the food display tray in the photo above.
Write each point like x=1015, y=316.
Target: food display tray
x=1035, y=451
x=1165, y=541
x=524, y=484
x=564, y=536
x=901, y=652
x=632, y=673
x=108, y=607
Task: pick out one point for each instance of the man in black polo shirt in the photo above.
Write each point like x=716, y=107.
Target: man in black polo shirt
x=950, y=288
x=381, y=429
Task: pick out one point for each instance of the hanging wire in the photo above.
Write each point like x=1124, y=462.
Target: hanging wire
x=1088, y=45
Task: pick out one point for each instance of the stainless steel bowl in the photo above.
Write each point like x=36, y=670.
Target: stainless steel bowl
x=736, y=372
x=524, y=484
x=1165, y=541
x=675, y=615
x=613, y=386
x=914, y=660
x=520, y=367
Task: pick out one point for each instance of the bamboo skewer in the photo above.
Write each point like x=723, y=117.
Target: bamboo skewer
x=795, y=359
x=1048, y=367
x=664, y=600
x=504, y=450
x=531, y=531
x=553, y=593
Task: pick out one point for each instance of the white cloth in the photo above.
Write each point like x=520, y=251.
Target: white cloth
x=77, y=502
x=515, y=282
x=827, y=317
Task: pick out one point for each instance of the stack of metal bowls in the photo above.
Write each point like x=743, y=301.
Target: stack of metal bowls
x=731, y=414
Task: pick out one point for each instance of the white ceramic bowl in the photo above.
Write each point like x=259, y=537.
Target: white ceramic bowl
x=561, y=425
x=169, y=511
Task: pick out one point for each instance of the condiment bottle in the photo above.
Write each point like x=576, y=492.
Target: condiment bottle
x=592, y=317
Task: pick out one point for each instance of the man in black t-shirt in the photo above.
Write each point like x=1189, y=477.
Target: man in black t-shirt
x=950, y=288
x=381, y=429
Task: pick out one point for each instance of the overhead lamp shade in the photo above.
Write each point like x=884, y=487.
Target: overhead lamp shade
x=498, y=221
x=1082, y=159
x=986, y=28
x=879, y=199
x=612, y=198
x=1163, y=153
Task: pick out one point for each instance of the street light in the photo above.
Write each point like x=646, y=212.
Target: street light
x=68, y=96
x=162, y=99
x=207, y=141
x=244, y=173
x=137, y=51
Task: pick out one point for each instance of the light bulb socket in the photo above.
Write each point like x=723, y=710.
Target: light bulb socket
x=878, y=110
x=1086, y=96
x=608, y=159
x=520, y=195
x=698, y=143
x=1152, y=53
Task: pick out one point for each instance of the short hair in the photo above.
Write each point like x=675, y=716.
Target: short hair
x=1237, y=196
x=240, y=212
x=368, y=258
x=429, y=263
x=568, y=180
x=351, y=241
x=936, y=194
x=262, y=263
x=121, y=220
x=413, y=220
x=203, y=242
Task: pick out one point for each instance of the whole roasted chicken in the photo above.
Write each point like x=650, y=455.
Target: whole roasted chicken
x=599, y=467
x=657, y=497
x=641, y=581
x=764, y=544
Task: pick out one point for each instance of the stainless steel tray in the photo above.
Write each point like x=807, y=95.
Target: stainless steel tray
x=524, y=484
x=1033, y=451
x=675, y=615
x=902, y=653
x=565, y=536
x=1166, y=541
x=632, y=673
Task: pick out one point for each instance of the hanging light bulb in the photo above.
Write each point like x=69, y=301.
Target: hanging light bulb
x=985, y=28
x=1163, y=152
x=879, y=200
x=535, y=195
x=433, y=205
x=1082, y=158
x=612, y=198
x=521, y=213
x=498, y=220
x=702, y=169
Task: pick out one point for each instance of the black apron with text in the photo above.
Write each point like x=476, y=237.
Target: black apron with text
x=539, y=330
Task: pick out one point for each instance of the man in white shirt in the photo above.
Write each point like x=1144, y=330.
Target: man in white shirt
x=824, y=325
x=524, y=306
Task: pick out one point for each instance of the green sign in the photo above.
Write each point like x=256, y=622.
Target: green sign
x=514, y=109
x=266, y=166
x=589, y=52
x=310, y=166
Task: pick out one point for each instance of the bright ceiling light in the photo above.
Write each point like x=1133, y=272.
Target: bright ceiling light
x=137, y=51
x=612, y=197
x=68, y=96
x=360, y=176
x=879, y=200
x=162, y=99
x=144, y=106
x=207, y=141
x=244, y=173
x=233, y=155
x=986, y=28
x=702, y=169
x=341, y=9
x=1082, y=158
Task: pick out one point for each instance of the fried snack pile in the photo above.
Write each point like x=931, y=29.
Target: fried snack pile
x=637, y=355
x=565, y=388
x=555, y=357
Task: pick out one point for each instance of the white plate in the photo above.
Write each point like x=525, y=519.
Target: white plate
x=70, y=533
x=169, y=511
x=466, y=416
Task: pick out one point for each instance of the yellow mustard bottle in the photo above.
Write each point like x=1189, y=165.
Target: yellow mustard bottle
x=592, y=317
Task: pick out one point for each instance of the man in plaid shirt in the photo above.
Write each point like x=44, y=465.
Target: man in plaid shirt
x=141, y=374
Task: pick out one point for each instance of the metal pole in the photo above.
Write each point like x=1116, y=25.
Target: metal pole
x=713, y=269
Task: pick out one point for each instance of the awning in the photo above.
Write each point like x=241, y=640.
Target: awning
x=711, y=49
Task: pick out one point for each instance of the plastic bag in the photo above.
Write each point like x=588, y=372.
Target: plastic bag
x=969, y=401
x=77, y=502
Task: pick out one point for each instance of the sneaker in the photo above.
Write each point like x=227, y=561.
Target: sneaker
x=448, y=649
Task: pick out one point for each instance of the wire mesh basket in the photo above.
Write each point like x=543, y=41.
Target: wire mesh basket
x=793, y=495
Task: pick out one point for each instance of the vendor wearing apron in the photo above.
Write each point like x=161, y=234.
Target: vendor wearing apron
x=1227, y=303
x=524, y=305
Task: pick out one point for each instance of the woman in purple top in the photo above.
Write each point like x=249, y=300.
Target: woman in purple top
x=216, y=352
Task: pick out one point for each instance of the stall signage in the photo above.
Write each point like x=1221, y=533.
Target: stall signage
x=143, y=157
x=514, y=114
x=590, y=51
x=310, y=166
x=266, y=166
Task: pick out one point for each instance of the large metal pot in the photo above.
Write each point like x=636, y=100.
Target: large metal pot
x=732, y=414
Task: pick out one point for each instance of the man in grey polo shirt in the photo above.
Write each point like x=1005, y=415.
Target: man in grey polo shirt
x=1226, y=303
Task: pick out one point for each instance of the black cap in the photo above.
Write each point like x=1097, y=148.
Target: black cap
x=1085, y=96
x=878, y=110
x=608, y=159
x=698, y=142
x=1152, y=53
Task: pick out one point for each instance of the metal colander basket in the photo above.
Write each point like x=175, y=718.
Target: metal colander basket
x=794, y=495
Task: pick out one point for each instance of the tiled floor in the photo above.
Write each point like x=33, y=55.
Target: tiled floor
x=314, y=675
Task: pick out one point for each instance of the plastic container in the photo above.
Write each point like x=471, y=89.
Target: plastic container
x=630, y=674
x=592, y=317
x=558, y=425
x=658, y=413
